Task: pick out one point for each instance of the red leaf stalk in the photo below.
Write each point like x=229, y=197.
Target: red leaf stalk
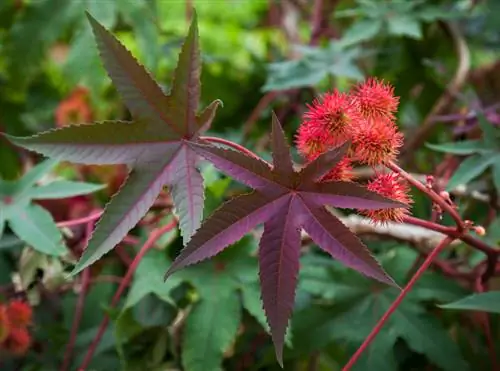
x=153, y=237
x=397, y=302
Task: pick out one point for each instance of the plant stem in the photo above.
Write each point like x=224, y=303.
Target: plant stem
x=491, y=252
x=86, y=277
x=236, y=146
x=430, y=193
x=427, y=262
x=76, y=320
x=153, y=237
x=86, y=219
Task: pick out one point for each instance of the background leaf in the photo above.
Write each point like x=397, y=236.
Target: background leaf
x=486, y=301
x=210, y=329
x=63, y=189
x=35, y=226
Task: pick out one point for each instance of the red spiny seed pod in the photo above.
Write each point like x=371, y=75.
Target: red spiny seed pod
x=392, y=186
x=4, y=323
x=376, y=99
x=376, y=142
x=327, y=123
x=18, y=341
x=19, y=313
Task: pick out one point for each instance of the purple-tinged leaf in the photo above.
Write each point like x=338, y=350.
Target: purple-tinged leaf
x=187, y=192
x=284, y=203
x=185, y=93
x=204, y=120
x=108, y=142
x=125, y=209
x=281, y=151
x=155, y=145
x=337, y=240
x=279, y=266
x=227, y=225
x=250, y=171
x=347, y=195
x=144, y=98
x=322, y=164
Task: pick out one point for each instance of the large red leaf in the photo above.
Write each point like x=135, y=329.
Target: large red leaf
x=285, y=200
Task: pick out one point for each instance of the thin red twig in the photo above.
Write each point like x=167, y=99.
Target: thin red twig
x=153, y=237
x=430, y=193
x=86, y=219
x=427, y=262
x=78, y=310
x=228, y=143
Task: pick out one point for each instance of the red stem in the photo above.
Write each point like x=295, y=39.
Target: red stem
x=430, y=193
x=427, y=262
x=86, y=219
x=236, y=146
x=78, y=310
x=153, y=237
x=491, y=252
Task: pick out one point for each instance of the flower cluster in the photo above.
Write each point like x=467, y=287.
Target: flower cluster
x=366, y=118
x=15, y=317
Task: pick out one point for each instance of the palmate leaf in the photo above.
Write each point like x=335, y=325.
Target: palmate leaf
x=485, y=302
x=285, y=201
x=154, y=145
x=30, y=222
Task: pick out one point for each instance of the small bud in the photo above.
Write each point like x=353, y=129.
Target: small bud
x=480, y=231
x=429, y=181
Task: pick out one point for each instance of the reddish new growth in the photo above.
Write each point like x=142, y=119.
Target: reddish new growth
x=15, y=316
x=390, y=185
x=366, y=117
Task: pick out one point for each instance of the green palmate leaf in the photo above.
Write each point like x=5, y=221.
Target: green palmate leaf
x=485, y=302
x=403, y=25
x=470, y=169
x=34, y=175
x=30, y=222
x=379, y=356
x=210, y=329
x=35, y=225
x=63, y=189
x=143, y=21
x=361, y=31
x=252, y=303
x=465, y=147
x=421, y=332
x=148, y=279
x=154, y=145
